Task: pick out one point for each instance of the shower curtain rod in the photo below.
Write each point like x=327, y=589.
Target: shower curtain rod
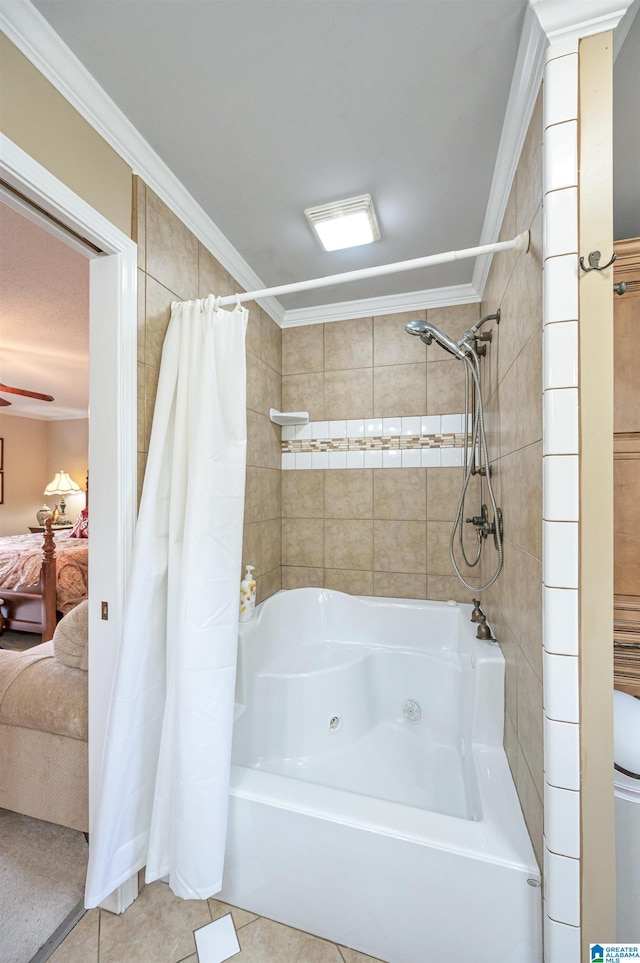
x=519, y=243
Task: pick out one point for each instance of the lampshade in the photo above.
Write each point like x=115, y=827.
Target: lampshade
x=62, y=485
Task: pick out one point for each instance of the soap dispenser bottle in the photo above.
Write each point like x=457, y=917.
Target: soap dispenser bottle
x=247, y=595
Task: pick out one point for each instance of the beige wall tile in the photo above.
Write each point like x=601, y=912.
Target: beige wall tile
x=511, y=745
x=158, y=313
x=254, y=384
x=529, y=375
x=441, y=588
x=348, y=493
x=508, y=393
x=150, y=389
x=348, y=344
x=522, y=483
x=532, y=805
x=529, y=173
x=304, y=392
x=400, y=546
x=138, y=219
x=400, y=493
x=348, y=543
x=271, y=343
x=529, y=722
x=454, y=320
x=142, y=315
x=253, y=337
x=522, y=302
x=141, y=410
x=351, y=582
x=271, y=544
x=392, y=344
x=399, y=390
x=399, y=585
x=252, y=547
x=302, y=542
x=444, y=487
x=512, y=654
x=303, y=349
x=445, y=388
x=141, y=466
x=268, y=584
x=303, y=494
x=172, y=250
x=214, y=279
x=348, y=394
x=438, y=559
x=262, y=498
x=271, y=389
x=296, y=576
x=502, y=264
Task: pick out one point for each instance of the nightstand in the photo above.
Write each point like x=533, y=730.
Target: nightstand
x=54, y=528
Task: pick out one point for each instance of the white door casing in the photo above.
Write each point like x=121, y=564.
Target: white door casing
x=112, y=426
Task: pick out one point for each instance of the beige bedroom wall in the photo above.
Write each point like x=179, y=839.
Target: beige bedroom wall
x=67, y=449
x=174, y=265
x=24, y=472
x=513, y=401
x=40, y=121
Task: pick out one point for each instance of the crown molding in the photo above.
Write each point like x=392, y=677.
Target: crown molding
x=566, y=20
x=387, y=304
x=25, y=27
x=525, y=85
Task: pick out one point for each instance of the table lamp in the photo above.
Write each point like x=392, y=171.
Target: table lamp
x=62, y=485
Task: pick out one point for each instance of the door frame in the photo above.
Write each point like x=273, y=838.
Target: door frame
x=112, y=428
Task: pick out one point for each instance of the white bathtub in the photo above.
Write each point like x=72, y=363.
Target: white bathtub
x=353, y=819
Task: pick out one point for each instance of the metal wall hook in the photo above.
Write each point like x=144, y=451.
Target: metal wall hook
x=594, y=262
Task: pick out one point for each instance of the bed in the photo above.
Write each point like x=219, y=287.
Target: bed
x=42, y=577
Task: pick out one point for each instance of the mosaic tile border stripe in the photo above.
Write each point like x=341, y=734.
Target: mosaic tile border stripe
x=404, y=442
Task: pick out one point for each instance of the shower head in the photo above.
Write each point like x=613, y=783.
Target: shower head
x=428, y=333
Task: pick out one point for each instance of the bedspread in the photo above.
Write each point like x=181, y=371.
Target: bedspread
x=21, y=558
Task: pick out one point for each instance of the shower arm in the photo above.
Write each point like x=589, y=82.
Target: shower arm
x=473, y=330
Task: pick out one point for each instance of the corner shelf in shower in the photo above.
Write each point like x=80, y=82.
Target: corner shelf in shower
x=288, y=417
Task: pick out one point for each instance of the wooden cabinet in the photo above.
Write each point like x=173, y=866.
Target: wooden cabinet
x=626, y=467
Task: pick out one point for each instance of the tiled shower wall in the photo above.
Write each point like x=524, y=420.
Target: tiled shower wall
x=174, y=266
x=372, y=531
x=513, y=398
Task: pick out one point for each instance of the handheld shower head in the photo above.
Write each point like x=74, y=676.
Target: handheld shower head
x=428, y=333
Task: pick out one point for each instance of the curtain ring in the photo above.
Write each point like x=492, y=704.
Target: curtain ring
x=216, y=303
x=238, y=301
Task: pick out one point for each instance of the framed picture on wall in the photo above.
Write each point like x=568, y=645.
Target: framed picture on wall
x=1, y=454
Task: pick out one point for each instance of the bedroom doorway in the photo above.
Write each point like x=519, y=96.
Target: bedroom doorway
x=112, y=429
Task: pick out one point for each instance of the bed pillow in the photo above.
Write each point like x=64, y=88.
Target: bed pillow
x=81, y=527
x=71, y=636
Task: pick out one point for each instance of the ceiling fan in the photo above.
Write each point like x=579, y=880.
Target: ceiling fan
x=7, y=389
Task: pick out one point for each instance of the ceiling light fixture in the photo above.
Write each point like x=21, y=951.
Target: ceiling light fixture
x=347, y=223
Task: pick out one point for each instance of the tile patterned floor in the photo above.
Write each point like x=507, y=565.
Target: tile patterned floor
x=158, y=928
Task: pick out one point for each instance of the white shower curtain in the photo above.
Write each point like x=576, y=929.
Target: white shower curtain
x=165, y=772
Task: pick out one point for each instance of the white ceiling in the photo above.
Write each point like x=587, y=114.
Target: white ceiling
x=264, y=108
x=44, y=320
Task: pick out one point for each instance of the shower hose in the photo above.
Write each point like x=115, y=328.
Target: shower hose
x=479, y=456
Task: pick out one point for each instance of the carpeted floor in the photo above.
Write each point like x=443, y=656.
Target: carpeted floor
x=18, y=641
x=42, y=875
